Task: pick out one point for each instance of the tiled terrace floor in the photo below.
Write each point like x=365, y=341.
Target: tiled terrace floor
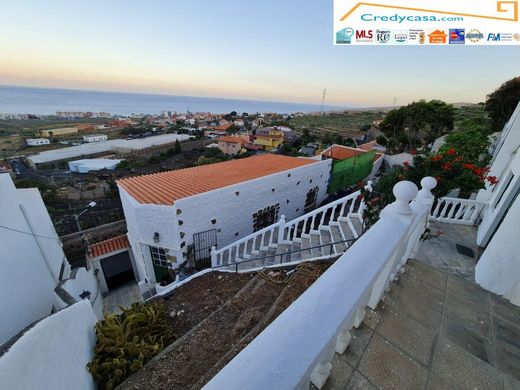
x=121, y=296
x=434, y=330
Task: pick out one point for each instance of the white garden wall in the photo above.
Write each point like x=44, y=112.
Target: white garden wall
x=54, y=353
x=26, y=281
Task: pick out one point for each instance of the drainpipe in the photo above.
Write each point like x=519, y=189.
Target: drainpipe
x=37, y=239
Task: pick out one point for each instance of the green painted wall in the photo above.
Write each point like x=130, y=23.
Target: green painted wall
x=351, y=170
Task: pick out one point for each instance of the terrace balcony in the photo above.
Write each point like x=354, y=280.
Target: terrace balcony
x=393, y=312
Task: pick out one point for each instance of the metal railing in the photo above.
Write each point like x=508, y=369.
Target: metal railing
x=332, y=253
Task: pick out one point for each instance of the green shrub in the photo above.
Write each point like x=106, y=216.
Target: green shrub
x=126, y=341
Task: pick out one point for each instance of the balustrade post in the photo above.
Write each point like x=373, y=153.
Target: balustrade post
x=404, y=192
x=281, y=228
x=322, y=371
x=425, y=195
x=360, y=315
x=343, y=340
x=213, y=256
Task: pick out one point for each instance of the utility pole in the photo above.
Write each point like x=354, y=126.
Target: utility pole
x=323, y=100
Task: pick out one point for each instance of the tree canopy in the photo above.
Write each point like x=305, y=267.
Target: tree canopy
x=417, y=124
x=501, y=104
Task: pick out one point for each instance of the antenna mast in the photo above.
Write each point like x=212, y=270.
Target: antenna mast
x=323, y=100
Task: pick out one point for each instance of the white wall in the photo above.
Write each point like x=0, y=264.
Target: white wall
x=233, y=214
x=83, y=280
x=505, y=159
x=26, y=281
x=54, y=353
x=498, y=269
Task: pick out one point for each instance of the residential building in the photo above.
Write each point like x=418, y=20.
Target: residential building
x=113, y=263
x=179, y=215
x=351, y=165
x=231, y=145
x=37, y=141
x=95, y=137
x=269, y=141
x=36, y=279
x=59, y=131
x=95, y=164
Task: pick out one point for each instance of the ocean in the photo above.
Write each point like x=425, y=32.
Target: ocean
x=27, y=100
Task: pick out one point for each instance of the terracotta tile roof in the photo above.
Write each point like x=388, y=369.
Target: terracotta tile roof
x=108, y=246
x=339, y=152
x=368, y=146
x=167, y=187
x=232, y=139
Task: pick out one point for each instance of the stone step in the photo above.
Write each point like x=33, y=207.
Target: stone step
x=306, y=253
x=337, y=236
x=326, y=238
x=316, y=242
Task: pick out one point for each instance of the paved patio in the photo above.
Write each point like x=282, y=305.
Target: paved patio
x=121, y=296
x=434, y=329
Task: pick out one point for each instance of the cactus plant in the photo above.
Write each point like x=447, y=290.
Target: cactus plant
x=126, y=341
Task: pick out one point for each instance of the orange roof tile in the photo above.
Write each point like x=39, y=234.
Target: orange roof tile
x=167, y=187
x=339, y=152
x=108, y=246
x=231, y=139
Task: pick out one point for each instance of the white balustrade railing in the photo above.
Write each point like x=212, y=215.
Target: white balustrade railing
x=287, y=232
x=457, y=211
x=298, y=346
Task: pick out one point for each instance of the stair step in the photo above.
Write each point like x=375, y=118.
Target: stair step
x=347, y=231
x=337, y=236
x=326, y=238
x=316, y=242
x=306, y=253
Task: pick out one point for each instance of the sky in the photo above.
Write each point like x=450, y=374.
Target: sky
x=275, y=50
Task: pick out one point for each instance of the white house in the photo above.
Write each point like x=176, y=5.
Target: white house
x=37, y=141
x=95, y=137
x=93, y=164
x=35, y=276
x=498, y=269
x=179, y=215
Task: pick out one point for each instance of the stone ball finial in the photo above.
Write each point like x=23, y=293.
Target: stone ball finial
x=428, y=183
x=405, y=191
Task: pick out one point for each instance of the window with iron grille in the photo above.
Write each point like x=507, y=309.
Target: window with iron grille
x=265, y=217
x=310, y=199
x=159, y=256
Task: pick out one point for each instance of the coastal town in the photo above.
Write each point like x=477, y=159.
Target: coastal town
x=181, y=218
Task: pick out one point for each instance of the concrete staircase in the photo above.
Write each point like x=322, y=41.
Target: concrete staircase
x=323, y=233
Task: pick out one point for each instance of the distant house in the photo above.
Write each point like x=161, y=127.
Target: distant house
x=350, y=165
x=95, y=137
x=94, y=164
x=269, y=141
x=231, y=145
x=37, y=141
x=179, y=215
